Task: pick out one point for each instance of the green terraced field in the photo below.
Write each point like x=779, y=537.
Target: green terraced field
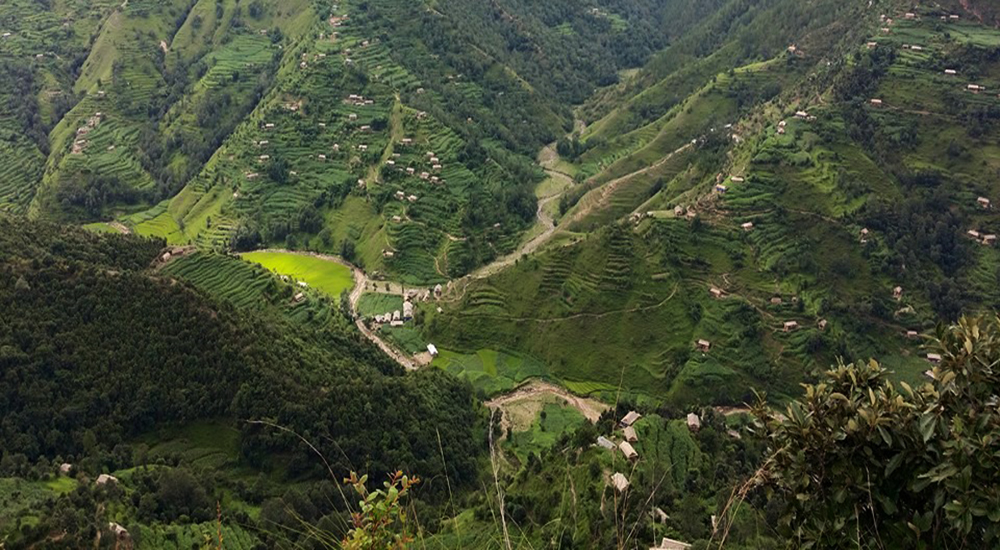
x=489, y=371
x=250, y=286
x=326, y=276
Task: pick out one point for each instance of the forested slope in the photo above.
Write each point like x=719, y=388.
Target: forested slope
x=97, y=350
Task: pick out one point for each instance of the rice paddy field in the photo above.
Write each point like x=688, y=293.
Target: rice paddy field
x=326, y=276
x=252, y=287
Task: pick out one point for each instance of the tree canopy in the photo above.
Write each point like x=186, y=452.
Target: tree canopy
x=860, y=461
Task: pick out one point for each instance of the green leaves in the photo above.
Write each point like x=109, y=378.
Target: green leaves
x=927, y=425
x=925, y=458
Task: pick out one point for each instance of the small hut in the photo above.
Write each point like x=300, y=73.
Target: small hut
x=627, y=450
x=630, y=419
x=620, y=482
x=630, y=434
x=693, y=422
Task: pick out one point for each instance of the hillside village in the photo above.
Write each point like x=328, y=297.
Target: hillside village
x=578, y=268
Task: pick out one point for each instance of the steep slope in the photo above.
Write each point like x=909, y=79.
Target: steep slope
x=886, y=179
x=150, y=114
x=98, y=350
x=41, y=48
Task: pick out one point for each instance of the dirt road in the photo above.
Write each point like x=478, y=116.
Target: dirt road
x=548, y=158
x=590, y=408
x=361, y=284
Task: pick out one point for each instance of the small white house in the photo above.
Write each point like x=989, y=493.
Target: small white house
x=627, y=450
x=693, y=422
x=105, y=479
x=431, y=349
x=620, y=482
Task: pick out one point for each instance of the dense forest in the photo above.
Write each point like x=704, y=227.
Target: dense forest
x=96, y=350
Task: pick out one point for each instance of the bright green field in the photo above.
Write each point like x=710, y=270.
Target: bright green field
x=326, y=276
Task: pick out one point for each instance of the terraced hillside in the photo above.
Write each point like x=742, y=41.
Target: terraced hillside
x=169, y=81
x=252, y=287
x=229, y=123
x=40, y=49
x=783, y=241
x=406, y=162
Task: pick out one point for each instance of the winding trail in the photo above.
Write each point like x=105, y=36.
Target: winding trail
x=548, y=158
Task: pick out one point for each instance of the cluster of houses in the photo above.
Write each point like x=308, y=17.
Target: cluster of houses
x=396, y=318
x=721, y=187
x=358, y=100
x=988, y=240
x=402, y=196
x=620, y=481
x=80, y=143
x=685, y=212
x=433, y=165
x=628, y=438
x=973, y=88
x=337, y=21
